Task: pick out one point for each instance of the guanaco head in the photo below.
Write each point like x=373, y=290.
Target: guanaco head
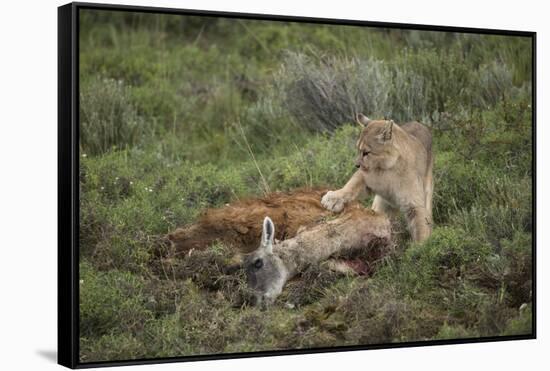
x=265, y=271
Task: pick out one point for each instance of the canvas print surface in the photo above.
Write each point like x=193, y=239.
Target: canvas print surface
x=253, y=185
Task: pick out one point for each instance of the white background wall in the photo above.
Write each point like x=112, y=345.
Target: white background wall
x=28, y=153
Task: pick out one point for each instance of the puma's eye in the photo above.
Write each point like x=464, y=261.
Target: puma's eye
x=258, y=263
x=366, y=153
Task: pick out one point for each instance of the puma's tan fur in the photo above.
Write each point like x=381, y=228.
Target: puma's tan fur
x=395, y=163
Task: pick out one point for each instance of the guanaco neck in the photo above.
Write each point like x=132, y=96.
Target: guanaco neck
x=297, y=253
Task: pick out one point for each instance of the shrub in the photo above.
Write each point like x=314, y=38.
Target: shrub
x=375, y=313
x=459, y=183
x=324, y=94
x=454, y=332
x=107, y=118
x=522, y=323
x=111, y=347
x=443, y=261
x=111, y=302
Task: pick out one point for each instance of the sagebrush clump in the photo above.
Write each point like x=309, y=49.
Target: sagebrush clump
x=109, y=120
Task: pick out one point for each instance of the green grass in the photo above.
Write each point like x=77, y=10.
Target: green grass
x=181, y=114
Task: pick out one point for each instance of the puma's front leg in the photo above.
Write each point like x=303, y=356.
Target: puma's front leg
x=336, y=200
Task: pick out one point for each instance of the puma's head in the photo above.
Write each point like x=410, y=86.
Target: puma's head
x=375, y=146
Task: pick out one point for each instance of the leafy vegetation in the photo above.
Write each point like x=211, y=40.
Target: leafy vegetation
x=183, y=113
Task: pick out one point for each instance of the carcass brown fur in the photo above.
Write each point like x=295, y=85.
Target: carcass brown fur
x=239, y=224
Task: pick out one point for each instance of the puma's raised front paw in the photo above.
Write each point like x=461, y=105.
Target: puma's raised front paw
x=333, y=201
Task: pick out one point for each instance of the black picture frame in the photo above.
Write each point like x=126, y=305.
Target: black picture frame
x=68, y=181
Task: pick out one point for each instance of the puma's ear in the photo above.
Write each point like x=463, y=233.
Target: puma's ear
x=268, y=234
x=362, y=120
x=388, y=131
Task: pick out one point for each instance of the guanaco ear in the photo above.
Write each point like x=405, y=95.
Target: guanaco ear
x=362, y=120
x=388, y=131
x=268, y=234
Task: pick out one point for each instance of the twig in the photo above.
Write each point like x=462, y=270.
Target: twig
x=198, y=36
x=265, y=189
x=309, y=177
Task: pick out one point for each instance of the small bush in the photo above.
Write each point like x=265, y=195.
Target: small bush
x=454, y=332
x=443, y=260
x=508, y=270
x=111, y=347
x=107, y=117
x=323, y=95
x=214, y=270
x=377, y=313
x=311, y=285
x=111, y=302
x=522, y=323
